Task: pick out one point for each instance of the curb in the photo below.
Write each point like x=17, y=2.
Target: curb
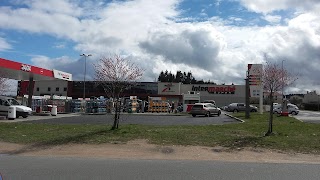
x=154, y=114
x=137, y=114
x=238, y=119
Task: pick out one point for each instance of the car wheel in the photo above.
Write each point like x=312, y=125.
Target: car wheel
x=253, y=110
x=235, y=111
x=24, y=116
x=193, y=115
x=208, y=114
x=294, y=113
x=219, y=113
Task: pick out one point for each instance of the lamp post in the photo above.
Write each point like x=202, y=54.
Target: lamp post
x=85, y=71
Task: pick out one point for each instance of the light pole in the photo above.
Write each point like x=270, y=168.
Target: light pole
x=282, y=83
x=85, y=71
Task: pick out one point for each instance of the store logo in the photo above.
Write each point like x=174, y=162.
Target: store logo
x=215, y=89
x=25, y=67
x=168, y=88
x=64, y=76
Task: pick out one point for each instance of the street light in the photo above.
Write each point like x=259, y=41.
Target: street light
x=85, y=71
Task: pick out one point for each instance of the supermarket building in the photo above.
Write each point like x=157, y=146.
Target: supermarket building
x=173, y=92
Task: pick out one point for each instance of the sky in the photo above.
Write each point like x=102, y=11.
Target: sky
x=214, y=39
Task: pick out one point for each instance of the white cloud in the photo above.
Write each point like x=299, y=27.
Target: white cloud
x=272, y=19
x=4, y=45
x=267, y=6
x=60, y=45
x=196, y=46
x=55, y=6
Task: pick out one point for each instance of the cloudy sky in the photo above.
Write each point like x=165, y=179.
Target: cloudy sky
x=214, y=39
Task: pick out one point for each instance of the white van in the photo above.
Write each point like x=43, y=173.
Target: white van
x=6, y=102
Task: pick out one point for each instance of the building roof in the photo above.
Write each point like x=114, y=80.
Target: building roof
x=21, y=71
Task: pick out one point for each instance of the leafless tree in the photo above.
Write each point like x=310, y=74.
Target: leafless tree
x=116, y=74
x=275, y=78
x=4, y=84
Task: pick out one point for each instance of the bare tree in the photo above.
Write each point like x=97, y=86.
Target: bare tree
x=4, y=84
x=275, y=78
x=116, y=74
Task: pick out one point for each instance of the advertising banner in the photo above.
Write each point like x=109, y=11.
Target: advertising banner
x=62, y=75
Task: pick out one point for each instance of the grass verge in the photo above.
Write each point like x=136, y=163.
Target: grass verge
x=289, y=134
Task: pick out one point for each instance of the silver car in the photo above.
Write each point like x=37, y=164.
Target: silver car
x=292, y=109
x=206, y=109
x=237, y=107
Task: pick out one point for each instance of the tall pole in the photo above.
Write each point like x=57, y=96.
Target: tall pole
x=282, y=83
x=247, y=94
x=318, y=102
x=84, y=76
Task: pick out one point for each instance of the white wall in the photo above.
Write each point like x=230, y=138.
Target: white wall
x=53, y=84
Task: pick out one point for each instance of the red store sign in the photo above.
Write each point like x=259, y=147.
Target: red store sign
x=215, y=89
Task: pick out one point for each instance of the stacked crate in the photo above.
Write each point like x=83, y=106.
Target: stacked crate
x=158, y=104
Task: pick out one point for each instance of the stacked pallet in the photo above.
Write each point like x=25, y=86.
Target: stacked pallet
x=158, y=104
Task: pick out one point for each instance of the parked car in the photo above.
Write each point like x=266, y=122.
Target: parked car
x=237, y=107
x=292, y=109
x=6, y=102
x=210, y=101
x=206, y=109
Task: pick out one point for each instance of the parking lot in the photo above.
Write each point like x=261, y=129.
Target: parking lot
x=145, y=119
x=308, y=116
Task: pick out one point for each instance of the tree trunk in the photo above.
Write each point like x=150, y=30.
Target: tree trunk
x=270, y=116
x=115, y=121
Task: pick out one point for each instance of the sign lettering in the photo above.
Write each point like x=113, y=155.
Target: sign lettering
x=216, y=89
x=25, y=67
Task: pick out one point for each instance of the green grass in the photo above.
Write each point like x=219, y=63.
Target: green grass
x=289, y=134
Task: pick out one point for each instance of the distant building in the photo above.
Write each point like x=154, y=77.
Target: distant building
x=311, y=98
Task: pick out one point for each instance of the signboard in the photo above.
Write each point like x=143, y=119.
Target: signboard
x=223, y=89
x=255, y=83
x=62, y=75
x=168, y=88
x=255, y=74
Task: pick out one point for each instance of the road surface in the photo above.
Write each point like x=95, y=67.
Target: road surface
x=34, y=168
x=145, y=119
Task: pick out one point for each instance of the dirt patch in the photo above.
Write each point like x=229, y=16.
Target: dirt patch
x=141, y=149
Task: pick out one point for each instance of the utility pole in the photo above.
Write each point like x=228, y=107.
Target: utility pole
x=247, y=116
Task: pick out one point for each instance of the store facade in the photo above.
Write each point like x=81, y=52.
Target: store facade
x=221, y=94
x=173, y=92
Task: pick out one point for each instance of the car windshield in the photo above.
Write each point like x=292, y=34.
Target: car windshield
x=13, y=102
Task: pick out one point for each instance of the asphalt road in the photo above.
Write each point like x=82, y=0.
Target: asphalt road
x=33, y=168
x=146, y=119
x=308, y=116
